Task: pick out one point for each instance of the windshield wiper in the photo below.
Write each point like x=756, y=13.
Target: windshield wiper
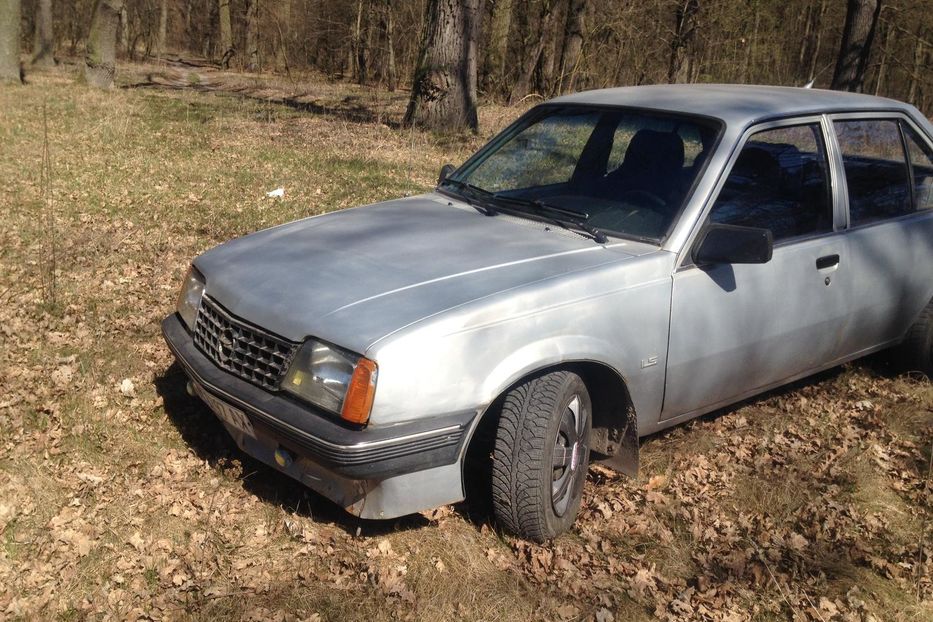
x=476, y=197
x=560, y=215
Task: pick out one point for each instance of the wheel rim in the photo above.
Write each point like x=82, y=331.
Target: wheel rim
x=569, y=453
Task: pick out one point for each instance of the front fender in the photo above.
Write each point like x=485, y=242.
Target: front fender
x=463, y=359
x=542, y=354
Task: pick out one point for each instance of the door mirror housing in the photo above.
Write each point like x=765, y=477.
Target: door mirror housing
x=446, y=170
x=732, y=244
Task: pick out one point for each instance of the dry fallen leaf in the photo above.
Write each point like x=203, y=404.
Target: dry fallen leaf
x=797, y=542
x=604, y=615
x=384, y=546
x=137, y=542
x=127, y=388
x=82, y=544
x=656, y=482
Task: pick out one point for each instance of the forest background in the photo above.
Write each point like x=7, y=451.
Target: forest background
x=497, y=50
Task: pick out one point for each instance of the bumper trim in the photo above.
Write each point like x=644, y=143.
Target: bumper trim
x=370, y=453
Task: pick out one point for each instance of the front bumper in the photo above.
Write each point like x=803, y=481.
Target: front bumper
x=376, y=472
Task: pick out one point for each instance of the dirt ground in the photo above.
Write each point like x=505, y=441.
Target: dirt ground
x=122, y=498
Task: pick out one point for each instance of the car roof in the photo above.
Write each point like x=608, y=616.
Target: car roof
x=736, y=104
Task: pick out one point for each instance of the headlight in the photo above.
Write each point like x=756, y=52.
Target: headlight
x=189, y=299
x=334, y=379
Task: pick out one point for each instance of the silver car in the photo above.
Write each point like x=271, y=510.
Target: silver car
x=613, y=263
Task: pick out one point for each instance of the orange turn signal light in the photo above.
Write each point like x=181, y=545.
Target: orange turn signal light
x=359, y=399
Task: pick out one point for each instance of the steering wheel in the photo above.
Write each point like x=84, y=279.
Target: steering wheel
x=644, y=197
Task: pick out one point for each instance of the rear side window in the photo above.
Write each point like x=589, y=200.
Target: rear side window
x=876, y=169
x=921, y=161
x=779, y=182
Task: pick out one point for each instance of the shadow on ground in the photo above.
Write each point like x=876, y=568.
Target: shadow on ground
x=209, y=440
x=178, y=75
x=879, y=364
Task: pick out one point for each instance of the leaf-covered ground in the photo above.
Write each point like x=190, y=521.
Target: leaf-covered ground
x=122, y=498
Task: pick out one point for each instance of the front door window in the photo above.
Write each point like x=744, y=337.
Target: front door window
x=780, y=182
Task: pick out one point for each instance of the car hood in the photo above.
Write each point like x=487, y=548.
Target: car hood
x=355, y=276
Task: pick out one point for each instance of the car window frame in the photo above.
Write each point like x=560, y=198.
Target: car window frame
x=899, y=118
x=833, y=164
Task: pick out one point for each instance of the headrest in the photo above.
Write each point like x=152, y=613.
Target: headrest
x=655, y=151
x=758, y=164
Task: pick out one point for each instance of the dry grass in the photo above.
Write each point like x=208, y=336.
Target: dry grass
x=810, y=503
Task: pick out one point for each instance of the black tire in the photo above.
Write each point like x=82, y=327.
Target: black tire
x=916, y=351
x=545, y=422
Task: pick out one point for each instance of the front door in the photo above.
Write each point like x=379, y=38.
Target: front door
x=738, y=328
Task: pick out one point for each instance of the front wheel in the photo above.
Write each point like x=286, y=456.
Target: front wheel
x=541, y=455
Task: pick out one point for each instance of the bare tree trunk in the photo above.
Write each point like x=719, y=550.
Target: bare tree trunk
x=353, y=55
x=100, y=56
x=818, y=45
x=283, y=24
x=124, y=41
x=857, y=36
x=918, y=66
x=810, y=48
x=391, y=70
x=573, y=45
x=252, y=35
x=549, y=62
x=751, y=48
x=521, y=86
x=498, y=45
x=10, y=15
x=883, y=63
x=43, y=46
x=685, y=25
x=350, y=64
x=363, y=61
x=163, y=28
x=544, y=72
x=443, y=94
x=807, y=39
x=226, y=34
x=754, y=46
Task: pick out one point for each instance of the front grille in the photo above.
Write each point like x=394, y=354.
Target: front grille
x=247, y=351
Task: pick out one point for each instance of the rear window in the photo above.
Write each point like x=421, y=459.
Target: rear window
x=877, y=175
x=921, y=163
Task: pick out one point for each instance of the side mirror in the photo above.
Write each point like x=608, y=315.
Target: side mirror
x=446, y=170
x=731, y=244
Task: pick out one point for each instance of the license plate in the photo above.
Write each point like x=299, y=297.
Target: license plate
x=225, y=412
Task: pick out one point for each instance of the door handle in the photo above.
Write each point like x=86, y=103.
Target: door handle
x=827, y=261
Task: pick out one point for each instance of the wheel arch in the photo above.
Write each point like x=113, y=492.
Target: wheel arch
x=614, y=435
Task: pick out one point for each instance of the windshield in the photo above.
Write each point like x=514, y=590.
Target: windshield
x=625, y=172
